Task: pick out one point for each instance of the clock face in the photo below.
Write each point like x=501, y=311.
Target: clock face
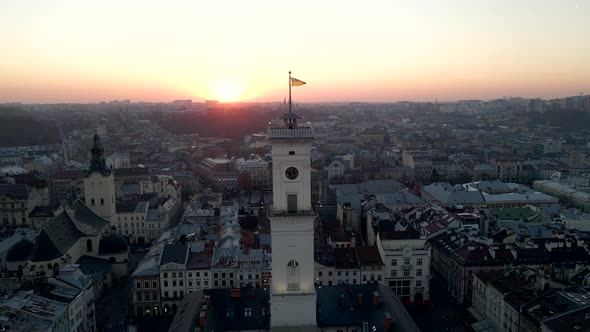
x=292, y=173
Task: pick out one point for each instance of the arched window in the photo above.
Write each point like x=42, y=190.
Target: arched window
x=102, y=201
x=293, y=275
x=88, y=245
x=92, y=201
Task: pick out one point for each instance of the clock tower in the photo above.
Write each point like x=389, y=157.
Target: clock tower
x=293, y=297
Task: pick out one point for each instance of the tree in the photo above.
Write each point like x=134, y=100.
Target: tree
x=245, y=181
x=435, y=177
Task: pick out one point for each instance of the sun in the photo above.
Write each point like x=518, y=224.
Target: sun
x=226, y=91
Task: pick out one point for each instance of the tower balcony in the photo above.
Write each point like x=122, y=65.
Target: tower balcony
x=272, y=212
x=288, y=133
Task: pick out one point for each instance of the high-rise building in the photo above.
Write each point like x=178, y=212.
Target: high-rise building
x=292, y=226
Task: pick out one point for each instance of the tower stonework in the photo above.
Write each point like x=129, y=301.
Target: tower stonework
x=99, y=184
x=293, y=296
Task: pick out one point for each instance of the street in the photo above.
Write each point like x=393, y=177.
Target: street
x=114, y=309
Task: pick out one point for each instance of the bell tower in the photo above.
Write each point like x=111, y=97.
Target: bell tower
x=99, y=184
x=293, y=297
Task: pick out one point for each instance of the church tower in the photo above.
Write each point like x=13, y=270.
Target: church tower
x=99, y=184
x=293, y=297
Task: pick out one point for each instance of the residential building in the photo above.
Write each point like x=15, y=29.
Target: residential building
x=257, y=169
x=173, y=276
x=198, y=272
x=28, y=312
x=118, y=160
x=508, y=169
x=146, y=284
x=406, y=256
x=17, y=201
x=131, y=221
x=370, y=264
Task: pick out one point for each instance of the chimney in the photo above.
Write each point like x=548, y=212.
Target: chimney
x=388, y=322
x=360, y=300
x=376, y=299
x=341, y=300
x=203, y=319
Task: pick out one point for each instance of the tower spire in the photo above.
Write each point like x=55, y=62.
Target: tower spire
x=97, y=161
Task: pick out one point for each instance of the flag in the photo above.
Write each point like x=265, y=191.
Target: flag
x=296, y=82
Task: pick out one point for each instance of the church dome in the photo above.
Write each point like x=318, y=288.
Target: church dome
x=20, y=251
x=112, y=244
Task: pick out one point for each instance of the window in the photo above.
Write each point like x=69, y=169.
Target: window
x=175, y=294
x=418, y=283
x=190, y=275
x=291, y=203
x=166, y=294
x=180, y=274
x=406, y=273
x=165, y=283
x=190, y=283
x=92, y=201
x=292, y=275
x=329, y=273
x=418, y=272
x=247, y=312
x=88, y=245
x=419, y=261
x=394, y=262
x=180, y=283
x=138, y=285
x=197, y=274
x=173, y=274
x=102, y=201
x=173, y=283
x=291, y=153
x=406, y=261
x=154, y=285
x=146, y=284
x=319, y=273
x=165, y=275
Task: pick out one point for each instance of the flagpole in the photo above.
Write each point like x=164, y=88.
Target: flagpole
x=289, y=91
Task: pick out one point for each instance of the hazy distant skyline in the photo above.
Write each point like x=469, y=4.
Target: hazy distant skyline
x=381, y=51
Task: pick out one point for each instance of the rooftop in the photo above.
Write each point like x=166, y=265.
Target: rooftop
x=174, y=253
x=352, y=305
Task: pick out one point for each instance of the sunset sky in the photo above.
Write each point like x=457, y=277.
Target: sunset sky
x=88, y=51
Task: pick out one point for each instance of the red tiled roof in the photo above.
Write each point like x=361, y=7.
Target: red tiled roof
x=368, y=256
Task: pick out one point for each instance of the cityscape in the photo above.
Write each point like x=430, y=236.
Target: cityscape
x=294, y=200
